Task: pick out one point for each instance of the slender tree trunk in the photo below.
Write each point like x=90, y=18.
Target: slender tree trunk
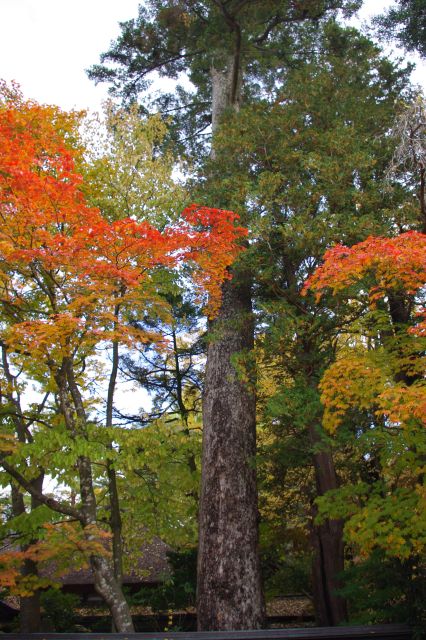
x=109, y=588
x=106, y=583
x=115, y=524
x=116, y=528
x=184, y=413
x=422, y=198
x=114, y=499
x=29, y=610
x=327, y=542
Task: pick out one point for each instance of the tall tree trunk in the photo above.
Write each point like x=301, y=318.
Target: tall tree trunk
x=229, y=584
x=229, y=589
x=327, y=542
x=29, y=609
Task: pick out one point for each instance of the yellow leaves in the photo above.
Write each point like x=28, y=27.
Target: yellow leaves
x=8, y=443
x=364, y=382
x=54, y=337
x=387, y=269
x=353, y=381
x=124, y=176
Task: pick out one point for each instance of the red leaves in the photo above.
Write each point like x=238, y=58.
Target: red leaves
x=382, y=265
x=393, y=263
x=214, y=243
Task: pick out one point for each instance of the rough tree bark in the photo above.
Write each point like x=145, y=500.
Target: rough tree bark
x=229, y=591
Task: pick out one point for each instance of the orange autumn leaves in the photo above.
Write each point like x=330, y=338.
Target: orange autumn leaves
x=375, y=271
x=74, y=544
x=66, y=273
x=385, y=265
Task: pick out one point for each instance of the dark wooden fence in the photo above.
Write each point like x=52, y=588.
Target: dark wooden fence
x=377, y=632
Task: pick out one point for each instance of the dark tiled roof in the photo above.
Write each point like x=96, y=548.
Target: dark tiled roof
x=151, y=567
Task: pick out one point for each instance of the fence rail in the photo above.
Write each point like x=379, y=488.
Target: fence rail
x=376, y=632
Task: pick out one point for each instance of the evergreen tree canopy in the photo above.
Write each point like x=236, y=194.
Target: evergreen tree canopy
x=407, y=23
x=175, y=37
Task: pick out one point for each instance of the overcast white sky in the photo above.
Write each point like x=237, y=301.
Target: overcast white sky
x=46, y=45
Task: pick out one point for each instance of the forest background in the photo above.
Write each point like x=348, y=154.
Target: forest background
x=321, y=142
